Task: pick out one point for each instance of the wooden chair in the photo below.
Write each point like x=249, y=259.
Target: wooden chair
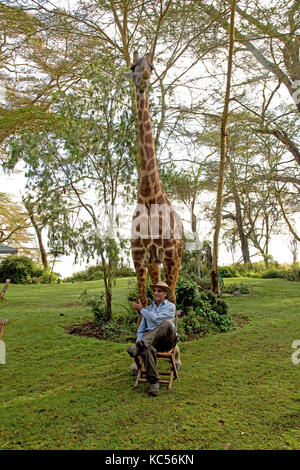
x=168, y=355
x=3, y=322
x=5, y=287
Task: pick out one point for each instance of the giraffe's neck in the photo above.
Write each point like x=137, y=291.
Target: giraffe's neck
x=150, y=185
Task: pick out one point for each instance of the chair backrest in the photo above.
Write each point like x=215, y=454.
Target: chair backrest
x=5, y=287
x=177, y=313
x=3, y=322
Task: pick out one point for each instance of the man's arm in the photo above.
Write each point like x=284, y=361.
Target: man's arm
x=167, y=312
x=142, y=329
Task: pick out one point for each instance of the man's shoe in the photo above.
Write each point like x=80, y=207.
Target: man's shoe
x=154, y=389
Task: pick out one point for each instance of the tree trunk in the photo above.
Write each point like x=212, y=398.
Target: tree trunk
x=222, y=171
x=107, y=285
x=44, y=258
x=239, y=218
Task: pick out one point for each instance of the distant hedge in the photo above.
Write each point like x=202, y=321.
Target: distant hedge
x=23, y=270
x=92, y=273
x=259, y=270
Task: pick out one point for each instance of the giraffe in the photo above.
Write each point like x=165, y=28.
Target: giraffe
x=156, y=236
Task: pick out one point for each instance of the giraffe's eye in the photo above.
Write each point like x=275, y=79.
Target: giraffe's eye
x=132, y=68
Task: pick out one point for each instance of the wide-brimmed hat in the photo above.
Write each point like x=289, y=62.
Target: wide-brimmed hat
x=162, y=285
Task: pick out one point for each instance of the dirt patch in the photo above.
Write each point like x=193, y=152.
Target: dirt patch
x=88, y=328
x=95, y=330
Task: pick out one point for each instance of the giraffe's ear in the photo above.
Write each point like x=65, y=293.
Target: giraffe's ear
x=135, y=57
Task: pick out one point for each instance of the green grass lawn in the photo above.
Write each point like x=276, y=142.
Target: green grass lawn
x=236, y=390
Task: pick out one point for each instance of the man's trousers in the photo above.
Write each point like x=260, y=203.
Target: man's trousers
x=161, y=339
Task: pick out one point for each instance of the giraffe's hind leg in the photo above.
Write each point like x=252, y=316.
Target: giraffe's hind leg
x=172, y=270
x=154, y=272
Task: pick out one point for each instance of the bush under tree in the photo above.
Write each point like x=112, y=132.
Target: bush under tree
x=23, y=270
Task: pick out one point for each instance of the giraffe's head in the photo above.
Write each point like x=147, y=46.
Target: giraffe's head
x=141, y=70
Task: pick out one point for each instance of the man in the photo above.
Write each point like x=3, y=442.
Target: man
x=156, y=332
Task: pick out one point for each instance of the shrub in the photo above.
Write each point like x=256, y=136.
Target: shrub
x=203, y=283
x=125, y=271
x=293, y=274
x=93, y=273
x=134, y=293
x=270, y=273
x=46, y=277
x=201, y=320
x=23, y=270
x=187, y=294
x=131, y=318
x=19, y=269
x=201, y=310
x=113, y=328
x=97, y=306
x=241, y=288
x=228, y=271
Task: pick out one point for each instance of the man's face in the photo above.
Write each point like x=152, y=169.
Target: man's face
x=159, y=294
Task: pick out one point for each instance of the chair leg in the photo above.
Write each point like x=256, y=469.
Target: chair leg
x=171, y=380
x=174, y=367
x=139, y=364
x=138, y=377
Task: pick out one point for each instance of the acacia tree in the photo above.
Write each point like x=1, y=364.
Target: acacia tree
x=38, y=228
x=268, y=38
x=14, y=224
x=86, y=162
x=214, y=268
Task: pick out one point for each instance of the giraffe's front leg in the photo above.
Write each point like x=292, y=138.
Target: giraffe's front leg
x=141, y=278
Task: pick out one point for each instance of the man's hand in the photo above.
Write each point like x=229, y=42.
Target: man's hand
x=138, y=305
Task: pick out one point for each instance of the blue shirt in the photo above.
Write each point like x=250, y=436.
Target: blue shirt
x=152, y=316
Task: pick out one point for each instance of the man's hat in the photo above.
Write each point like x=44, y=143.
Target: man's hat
x=162, y=285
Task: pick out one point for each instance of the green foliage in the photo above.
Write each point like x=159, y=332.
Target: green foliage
x=201, y=311
x=92, y=273
x=47, y=277
x=97, y=306
x=134, y=293
x=200, y=321
x=228, y=271
x=203, y=283
x=187, y=294
x=113, y=328
x=23, y=270
x=131, y=317
x=271, y=273
x=259, y=270
x=241, y=288
x=293, y=274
